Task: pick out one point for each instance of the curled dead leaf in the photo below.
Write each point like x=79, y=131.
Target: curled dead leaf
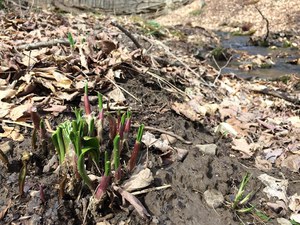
x=133, y=201
x=138, y=181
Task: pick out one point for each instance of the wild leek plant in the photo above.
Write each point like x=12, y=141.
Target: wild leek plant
x=136, y=149
x=76, y=143
x=240, y=200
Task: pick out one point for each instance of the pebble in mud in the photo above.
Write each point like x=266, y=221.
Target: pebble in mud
x=213, y=198
x=208, y=149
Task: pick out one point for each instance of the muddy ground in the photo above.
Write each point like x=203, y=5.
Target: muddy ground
x=189, y=177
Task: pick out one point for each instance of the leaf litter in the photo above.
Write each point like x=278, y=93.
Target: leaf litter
x=41, y=67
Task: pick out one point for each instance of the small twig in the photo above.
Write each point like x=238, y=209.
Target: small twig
x=267, y=23
x=120, y=88
x=165, y=132
x=220, y=68
x=43, y=44
x=17, y=123
x=151, y=189
x=127, y=33
x=167, y=83
x=166, y=48
x=278, y=94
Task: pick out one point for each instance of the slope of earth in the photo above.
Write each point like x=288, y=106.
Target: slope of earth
x=218, y=128
x=228, y=15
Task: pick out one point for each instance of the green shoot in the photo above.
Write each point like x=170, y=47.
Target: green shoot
x=106, y=164
x=116, y=153
x=261, y=215
x=105, y=180
x=90, y=146
x=71, y=40
x=86, y=101
x=136, y=149
x=293, y=222
x=239, y=197
x=57, y=139
x=100, y=118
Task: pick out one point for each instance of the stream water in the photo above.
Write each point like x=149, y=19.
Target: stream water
x=280, y=56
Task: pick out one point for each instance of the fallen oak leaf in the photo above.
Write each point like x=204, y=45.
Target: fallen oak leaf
x=133, y=201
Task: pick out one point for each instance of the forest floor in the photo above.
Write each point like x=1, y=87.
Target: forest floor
x=216, y=148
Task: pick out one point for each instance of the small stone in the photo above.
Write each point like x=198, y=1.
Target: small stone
x=294, y=45
x=170, y=139
x=6, y=147
x=213, y=198
x=283, y=221
x=208, y=149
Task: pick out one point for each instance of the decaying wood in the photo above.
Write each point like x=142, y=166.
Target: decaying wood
x=118, y=6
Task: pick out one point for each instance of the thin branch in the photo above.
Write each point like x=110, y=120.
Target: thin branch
x=151, y=189
x=43, y=44
x=127, y=33
x=267, y=23
x=166, y=48
x=120, y=88
x=220, y=68
x=166, y=132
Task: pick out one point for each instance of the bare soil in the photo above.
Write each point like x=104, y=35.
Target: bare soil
x=183, y=202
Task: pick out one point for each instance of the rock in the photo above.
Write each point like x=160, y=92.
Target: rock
x=283, y=221
x=170, y=139
x=6, y=147
x=208, y=149
x=213, y=198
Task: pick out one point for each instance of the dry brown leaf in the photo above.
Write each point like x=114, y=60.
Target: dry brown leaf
x=18, y=111
x=186, y=110
x=262, y=164
x=66, y=96
x=12, y=132
x=83, y=60
x=294, y=203
x=274, y=187
x=292, y=162
x=107, y=46
x=243, y=147
x=133, y=201
x=5, y=109
x=138, y=181
x=117, y=95
x=56, y=108
x=46, y=83
x=3, y=212
x=62, y=80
